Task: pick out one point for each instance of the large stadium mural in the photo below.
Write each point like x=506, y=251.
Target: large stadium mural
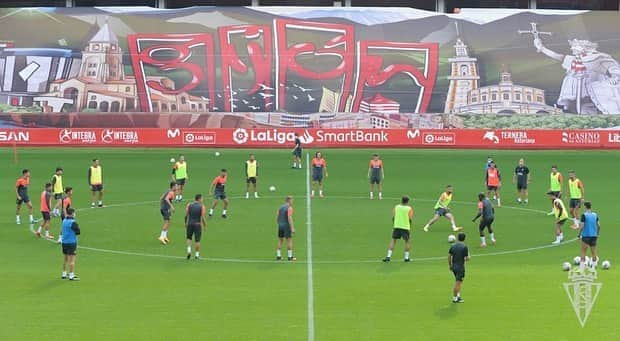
x=308, y=66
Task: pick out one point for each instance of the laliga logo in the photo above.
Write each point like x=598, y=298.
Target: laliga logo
x=106, y=136
x=240, y=136
x=64, y=136
x=189, y=138
x=490, y=135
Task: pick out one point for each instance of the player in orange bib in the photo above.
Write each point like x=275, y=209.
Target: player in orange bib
x=319, y=169
x=46, y=206
x=494, y=182
x=21, y=192
x=219, y=192
x=376, y=175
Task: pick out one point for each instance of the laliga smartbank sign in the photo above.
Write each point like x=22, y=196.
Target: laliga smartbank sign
x=244, y=136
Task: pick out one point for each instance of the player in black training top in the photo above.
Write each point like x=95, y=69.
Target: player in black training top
x=457, y=257
x=522, y=178
x=297, y=152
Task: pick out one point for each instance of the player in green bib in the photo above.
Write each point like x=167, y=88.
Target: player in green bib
x=442, y=210
x=555, y=185
x=577, y=194
x=179, y=175
x=402, y=215
x=561, y=215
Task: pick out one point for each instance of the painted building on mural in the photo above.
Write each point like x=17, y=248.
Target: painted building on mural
x=465, y=95
x=101, y=84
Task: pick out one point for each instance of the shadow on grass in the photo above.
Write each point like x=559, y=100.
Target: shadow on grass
x=447, y=312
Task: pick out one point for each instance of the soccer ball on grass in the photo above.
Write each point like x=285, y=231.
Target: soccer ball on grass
x=606, y=265
x=566, y=266
x=451, y=238
x=272, y=188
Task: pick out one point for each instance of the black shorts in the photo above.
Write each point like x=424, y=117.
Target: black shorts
x=251, y=180
x=590, y=241
x=441, y=212
x=486, y=223
x=400, y=233
x=69, y=249
x=521, y=186
x=46, y=216
x=557, y=194
x=96, y=188
x=459, y=273
x=375, y=180
x=24, y=200
x=165, y=213
x=318, y=177
x=284, y=232
x=219, y=195
x=180, y=182
x=195, y=231
x=574, y=203
x=297, y=152
x=492, y=188
x=57, y=196
x=561, y=222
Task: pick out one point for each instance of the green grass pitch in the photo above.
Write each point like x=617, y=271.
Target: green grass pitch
x=133, y=288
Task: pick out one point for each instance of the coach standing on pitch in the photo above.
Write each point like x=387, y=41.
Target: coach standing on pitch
x=457, y=257
x=70, y=231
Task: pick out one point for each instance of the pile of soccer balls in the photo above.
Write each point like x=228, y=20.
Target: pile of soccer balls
x=566, y=266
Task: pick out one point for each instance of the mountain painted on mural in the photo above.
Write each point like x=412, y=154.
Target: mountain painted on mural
x=495, y=44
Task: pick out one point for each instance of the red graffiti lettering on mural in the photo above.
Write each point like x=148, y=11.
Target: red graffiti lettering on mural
x=172, y=53
x=259, y=56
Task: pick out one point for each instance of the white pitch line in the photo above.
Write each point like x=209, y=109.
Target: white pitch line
x=309, y=253
x=267, y=261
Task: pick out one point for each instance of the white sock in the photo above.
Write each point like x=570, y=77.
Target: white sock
x=18, y=218
x=380, y=195
x=312, y=193
x=224, y=212
x=189, y=250
x=100, y=202
x=162, y=234
x=561, y=235
x=255, y=194
x=582, y=266
x=389, y=254
x=406, y=254
x=453, y=226
x=197, y=254
x=526, y=200
x=371, y=195
x=289, y=253
x=499, y=202
x=492, y=236
x=39, y=229
x=32, y=218
x=518, y=199
x=455, y=298
x=210, y=211
x=320, y=192
x=71, y=275
x=279, y=253
x=166, y=234
x=47, y=233
x=64, y=274
x=483, y=240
